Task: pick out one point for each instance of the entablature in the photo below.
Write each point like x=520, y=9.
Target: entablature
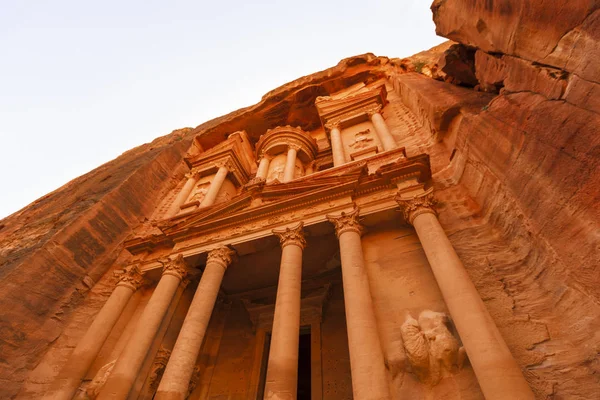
x=260, y=208
x=352, y=109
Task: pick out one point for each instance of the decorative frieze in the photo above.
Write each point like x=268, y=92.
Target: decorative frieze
x=346, y=222
x=292, y=236
x=175, y=266
x=417, y=205
x=221, y=255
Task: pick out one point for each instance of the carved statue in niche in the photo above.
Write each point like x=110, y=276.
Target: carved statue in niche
x=276, y=173
x=200, y=192
x=362, y=139
x=93, y=389
x=432, y=351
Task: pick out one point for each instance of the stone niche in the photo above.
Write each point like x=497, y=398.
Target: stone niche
x=275, y=144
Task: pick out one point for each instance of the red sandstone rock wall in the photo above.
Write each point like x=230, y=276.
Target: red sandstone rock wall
x=515, y=156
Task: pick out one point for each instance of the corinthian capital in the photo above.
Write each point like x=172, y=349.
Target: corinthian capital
x=346, y=222
x=175, y=266
x=372, y=110
x=292, y=236
x=417, y=205
x=333, y=124
x=132, y=278
x=221, y=255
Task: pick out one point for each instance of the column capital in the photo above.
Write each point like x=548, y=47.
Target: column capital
x=132, y=278
x=225, y=163
x=175, y=266
x=223, y=256
x=416, y=205
x=289, y=236
x=372, y=110
x=346, y=222
x=333, y=124
x=264, y=155
x=294, y=146
x=192, y=174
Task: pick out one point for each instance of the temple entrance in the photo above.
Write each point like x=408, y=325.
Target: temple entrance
x=304, y=361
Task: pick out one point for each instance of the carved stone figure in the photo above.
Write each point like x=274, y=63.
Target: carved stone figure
x=158, y=368
x=99, y=380
x=200, y=192
x=362, y=139
x=432, y=351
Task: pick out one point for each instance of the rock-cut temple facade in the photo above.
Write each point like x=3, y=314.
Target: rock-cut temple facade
x=423, y=228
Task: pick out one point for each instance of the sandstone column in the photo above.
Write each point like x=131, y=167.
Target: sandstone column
x=263, y=166
x=290, y=164
x=183, y=194
x=498, y=374
x=215, y=186
x=381, y=128
x=176, y=378
x=337, y=146
x=367, y=365
x=89, y=346
x=282, y=369
x=130, y=361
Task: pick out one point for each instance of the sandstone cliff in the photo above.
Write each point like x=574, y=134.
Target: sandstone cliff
x=510, y=117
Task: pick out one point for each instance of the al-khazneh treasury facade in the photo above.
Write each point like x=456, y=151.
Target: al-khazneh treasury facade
x=307, y=264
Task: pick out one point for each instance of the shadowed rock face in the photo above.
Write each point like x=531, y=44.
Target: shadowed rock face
x=515, y=163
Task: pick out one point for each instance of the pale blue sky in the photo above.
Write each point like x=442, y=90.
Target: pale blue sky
x=83, y=81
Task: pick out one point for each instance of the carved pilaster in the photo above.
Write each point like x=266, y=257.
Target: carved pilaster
x=291, y=236
x=223, y=256
x=417, y=205
x=175, y=266
x=346, y=222
x=131, y=278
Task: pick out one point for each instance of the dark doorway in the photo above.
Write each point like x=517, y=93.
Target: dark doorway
x=263, y=367
x=303, y=391
x=304, y=373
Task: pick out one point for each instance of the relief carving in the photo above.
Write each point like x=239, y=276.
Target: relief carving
x=362, y=140
x=432, y=351
x=158, y=368
x=94, y=388
x=276, y=173
x=200, y=192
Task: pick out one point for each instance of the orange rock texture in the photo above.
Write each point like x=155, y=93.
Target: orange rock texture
x=510, y=117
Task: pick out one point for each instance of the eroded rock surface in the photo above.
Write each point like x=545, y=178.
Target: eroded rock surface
x=515, y=158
